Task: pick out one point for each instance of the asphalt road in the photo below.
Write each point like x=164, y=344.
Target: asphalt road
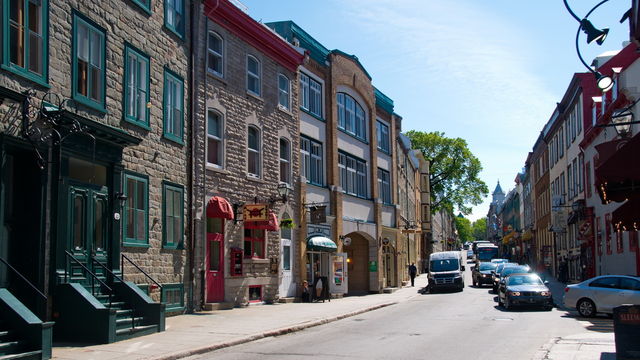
x=457, y=325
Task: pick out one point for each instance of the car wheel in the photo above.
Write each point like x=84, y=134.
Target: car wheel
x=548, y=308
x=586, y=308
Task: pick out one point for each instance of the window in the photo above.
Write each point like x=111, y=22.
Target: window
x=629, y=284
x=351, y=116
x=173, y=296
x=253, y=75
x=384, y=185
x=253, y=152
x=174, y=16
x=311, y=161
x=173, y=210
x=89, y=75
x=173, y=105
x=311, y=95
x=214, y=54
x=285, y=235
x=619, y=244
x=598, y=236
x=254, y=243
x=353, y=175
x=136, y=87
x=215, y=133
x=284, y=88
x=605, y=282
x=285, y=161
x=144, y=4
x=579, y=115
x=136, y=218
x=382, y=133
x=633, y=241
x=561, y=145
x=607, y=232
x=587, y=170
x=570, y=180
x=24, y=29
x=255, y=293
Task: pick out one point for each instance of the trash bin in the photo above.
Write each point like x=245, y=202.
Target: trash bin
x=626, y=328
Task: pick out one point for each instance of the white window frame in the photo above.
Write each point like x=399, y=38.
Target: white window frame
x=284, y=93
x=353, y=175
x=212, y=52
x=381, y=137
x=285, y=161
x=257, y=152
x=256, y=76
x=219, y=139
x=311, y=94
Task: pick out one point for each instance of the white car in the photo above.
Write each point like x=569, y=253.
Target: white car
x=601, y=294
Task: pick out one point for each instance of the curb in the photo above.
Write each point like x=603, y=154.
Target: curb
x=268, y=333
x=545, y=350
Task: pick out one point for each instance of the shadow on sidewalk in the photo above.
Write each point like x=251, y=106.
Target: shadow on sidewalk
x=601, y=324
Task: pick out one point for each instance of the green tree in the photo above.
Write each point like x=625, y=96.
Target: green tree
x=463, y=225
x=454, y=171
x=480, y=229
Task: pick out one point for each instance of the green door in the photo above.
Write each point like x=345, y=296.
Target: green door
x=88, y=224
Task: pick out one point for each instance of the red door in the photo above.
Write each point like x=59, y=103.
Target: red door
x=215, y=266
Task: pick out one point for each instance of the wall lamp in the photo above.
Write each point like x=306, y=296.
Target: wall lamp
x=283, y=194
x=622, y=119
x=605, y=83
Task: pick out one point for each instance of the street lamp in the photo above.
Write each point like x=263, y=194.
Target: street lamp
x=283, y=194
x=605, y=83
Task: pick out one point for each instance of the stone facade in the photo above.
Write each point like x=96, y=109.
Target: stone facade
x=226, y=93
x=149, y=155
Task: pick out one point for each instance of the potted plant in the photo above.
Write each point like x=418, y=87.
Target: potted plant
x=287, y=224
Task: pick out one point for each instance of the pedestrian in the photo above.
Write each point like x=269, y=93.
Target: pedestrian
x=306, y=296
x=413, y=271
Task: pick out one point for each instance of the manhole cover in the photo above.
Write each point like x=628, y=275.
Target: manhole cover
x=358, y=319
x=502, y=319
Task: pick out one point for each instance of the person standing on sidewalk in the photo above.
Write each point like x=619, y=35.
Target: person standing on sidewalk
x=413, y=271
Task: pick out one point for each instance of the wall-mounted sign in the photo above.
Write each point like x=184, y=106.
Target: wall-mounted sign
x=318, y=214
x=346, y=241
x=255, y=212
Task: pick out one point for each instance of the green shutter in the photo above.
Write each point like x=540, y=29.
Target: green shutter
x=174, y=17
x=88, y=93
x=173, y=216
x=173, y=106
x=135, y=217
x=136, y=92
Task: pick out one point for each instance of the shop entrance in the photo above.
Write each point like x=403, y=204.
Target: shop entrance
x=389, y=266
x=215, y=260
x=358, y=261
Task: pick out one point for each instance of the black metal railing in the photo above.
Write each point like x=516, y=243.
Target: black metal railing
x=91, y=274
x=26, y=281
x=114, y=276
x=124, y=257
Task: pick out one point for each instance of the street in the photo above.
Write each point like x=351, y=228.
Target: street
x=437, y=326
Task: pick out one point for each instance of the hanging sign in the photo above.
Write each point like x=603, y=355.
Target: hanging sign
x=255, y=212
x=317, y=214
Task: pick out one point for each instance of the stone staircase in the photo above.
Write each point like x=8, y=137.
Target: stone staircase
x=14, y=346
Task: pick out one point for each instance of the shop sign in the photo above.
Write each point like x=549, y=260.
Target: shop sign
x=255, y=212
x=373, y=266
x=584, y=230
x=318, y=214
x=338, y=270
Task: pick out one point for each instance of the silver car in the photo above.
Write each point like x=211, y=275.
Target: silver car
x=601, y=294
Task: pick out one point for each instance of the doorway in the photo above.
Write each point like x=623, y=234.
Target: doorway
x=214, y=274
x=389, y=266
x=286, y=288
x=358, y=261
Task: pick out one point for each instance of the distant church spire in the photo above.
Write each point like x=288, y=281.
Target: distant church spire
x=498, y=194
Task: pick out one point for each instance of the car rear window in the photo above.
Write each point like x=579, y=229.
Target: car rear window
x=629, y=284
x=605, y=282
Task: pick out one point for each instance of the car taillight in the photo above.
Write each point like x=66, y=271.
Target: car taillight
x=566, y=289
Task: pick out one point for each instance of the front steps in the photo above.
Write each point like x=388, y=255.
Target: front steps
x=22, y=334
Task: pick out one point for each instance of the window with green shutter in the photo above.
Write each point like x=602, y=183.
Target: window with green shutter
x=144, y=4
x=136, y=87
x=136, y=211
x=173, y=210
x=88, y=61
x=174, y=16
x=25, y=38
x=173, y=106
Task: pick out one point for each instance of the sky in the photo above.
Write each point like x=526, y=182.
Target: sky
x=490, y=72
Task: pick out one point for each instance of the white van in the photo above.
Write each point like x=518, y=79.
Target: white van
x=445, y=271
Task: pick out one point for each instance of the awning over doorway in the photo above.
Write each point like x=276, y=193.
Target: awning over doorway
x=270, y=225
x=219, y=207
x=617, y=173
x=321, y=243
x=627, y=216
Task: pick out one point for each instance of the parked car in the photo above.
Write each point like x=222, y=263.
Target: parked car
x=445, y=271
x=499, y=261
x=495, y=274
x=524, y=289
x=469, y=254
x=601, y=294
x=509, y=268
x=481, y=273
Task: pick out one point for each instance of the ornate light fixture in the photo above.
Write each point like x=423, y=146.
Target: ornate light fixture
x=283, y=194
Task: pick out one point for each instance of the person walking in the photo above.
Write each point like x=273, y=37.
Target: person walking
x=413, y=271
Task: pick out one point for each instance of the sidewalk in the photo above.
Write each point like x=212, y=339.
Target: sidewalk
x=556, y=287
x=192, y=334
x=592, y=346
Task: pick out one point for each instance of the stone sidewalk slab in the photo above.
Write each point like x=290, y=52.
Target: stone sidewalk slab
x=192, y=334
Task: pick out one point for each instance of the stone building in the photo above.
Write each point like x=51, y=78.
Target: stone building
x=245, y=151
x=95, y=166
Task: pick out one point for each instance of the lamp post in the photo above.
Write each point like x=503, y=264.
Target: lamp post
x=605, y=83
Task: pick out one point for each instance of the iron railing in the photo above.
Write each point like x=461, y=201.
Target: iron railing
x=93, y=276
x=124, y=257
x=26, y=281
x=132, y=304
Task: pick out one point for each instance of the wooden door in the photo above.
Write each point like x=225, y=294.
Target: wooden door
x=214, y=274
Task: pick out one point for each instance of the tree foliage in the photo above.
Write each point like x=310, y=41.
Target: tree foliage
x=454, y=171
x=480, y=229
x=463, y=225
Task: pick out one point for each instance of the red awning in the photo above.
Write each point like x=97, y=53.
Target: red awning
x=627, y=216
x=219, y=207
x=617, y=173
x=270, y=225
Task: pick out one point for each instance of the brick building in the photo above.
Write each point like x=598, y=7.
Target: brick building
x=245, y=148
x=95, y=149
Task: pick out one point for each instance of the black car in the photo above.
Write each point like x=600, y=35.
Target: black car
x=495, y=274
x=524, y=289
x=481, y=273
x=518, y=269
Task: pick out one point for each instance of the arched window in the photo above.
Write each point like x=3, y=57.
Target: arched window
x=253, y=75
x=215, y=54
x=253, y=151
x=284, y=89
x=285, y=161
x=351, y=117
x=215, y=140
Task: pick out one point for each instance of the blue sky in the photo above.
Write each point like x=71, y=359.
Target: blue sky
x=489, y=72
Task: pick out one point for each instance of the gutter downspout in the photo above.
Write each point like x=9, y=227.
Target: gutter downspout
x=191, y=160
